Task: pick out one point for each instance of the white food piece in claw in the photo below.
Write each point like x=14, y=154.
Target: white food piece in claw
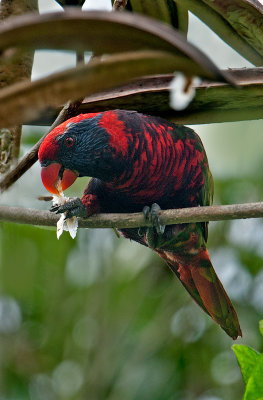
x=182, y=91
x=70, y=224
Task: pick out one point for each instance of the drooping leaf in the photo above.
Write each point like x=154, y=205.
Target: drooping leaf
x=247, y=359
x=104, y=33
x=261, y=326
x=238, y=23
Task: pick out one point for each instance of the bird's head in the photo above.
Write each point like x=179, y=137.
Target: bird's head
x=85, y=145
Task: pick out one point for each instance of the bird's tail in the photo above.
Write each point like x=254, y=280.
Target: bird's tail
x=200, y=280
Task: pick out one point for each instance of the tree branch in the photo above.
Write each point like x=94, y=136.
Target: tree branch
x=134, y=220
x=19, y=71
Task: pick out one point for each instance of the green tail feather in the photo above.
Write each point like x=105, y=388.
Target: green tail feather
x=200, y=280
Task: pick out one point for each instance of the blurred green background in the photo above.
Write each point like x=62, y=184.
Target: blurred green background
x=103, y=318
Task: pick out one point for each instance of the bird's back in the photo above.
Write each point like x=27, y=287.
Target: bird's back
x=163, y=163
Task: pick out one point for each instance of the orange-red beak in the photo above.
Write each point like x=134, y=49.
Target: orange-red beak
x=54, y=181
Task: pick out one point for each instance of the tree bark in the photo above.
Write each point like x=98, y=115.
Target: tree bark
x=135, y=220
x=18, y=70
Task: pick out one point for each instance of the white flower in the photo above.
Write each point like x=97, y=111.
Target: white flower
x=69, y=224
x=182, y=91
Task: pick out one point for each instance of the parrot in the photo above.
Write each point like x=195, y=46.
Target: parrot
x=142, y=163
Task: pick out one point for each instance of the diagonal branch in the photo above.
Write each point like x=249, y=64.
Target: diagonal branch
x=134, y=220
x=30, y=158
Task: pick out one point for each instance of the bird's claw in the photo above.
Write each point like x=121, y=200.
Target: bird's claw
x=72, y=208
x=54, y=208
x=152, y=214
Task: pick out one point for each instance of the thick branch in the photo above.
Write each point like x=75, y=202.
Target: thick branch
x=167, y=217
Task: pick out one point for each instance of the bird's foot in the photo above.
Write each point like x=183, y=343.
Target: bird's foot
x=72, y=208
x=152, y=214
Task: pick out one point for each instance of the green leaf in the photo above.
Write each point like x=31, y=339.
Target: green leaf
x=247, y=359
x=237, y=22
x=245, y=16
x=254, y=388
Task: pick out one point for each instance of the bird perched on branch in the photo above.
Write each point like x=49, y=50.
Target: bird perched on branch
x=142, y=163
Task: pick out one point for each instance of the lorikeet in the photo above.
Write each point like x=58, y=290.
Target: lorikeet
x=138, y=160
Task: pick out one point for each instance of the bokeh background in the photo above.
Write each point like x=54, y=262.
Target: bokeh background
x=103, y=318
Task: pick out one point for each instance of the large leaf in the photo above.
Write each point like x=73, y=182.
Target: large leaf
x=245, y=16
x=239, y=23
x=103, y=33
x=254, y=389
x=213, y=102
x=247, y=359
x=251, y=365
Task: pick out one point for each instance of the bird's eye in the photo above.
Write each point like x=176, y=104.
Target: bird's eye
x=69, y=141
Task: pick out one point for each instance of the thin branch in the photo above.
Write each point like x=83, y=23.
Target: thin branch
x=134, y=220
x=31, y=157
